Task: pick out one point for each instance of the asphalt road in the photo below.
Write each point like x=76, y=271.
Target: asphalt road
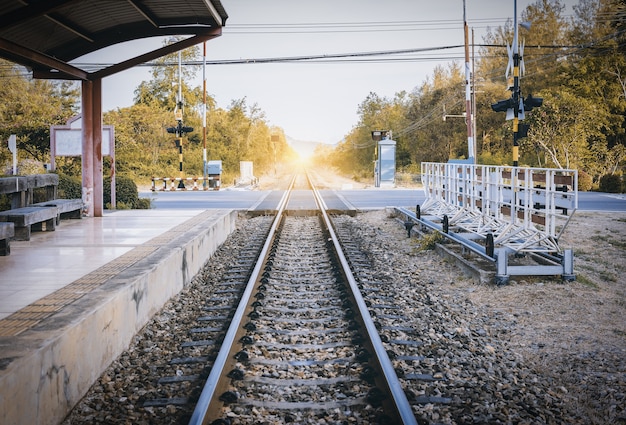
x=365, y=199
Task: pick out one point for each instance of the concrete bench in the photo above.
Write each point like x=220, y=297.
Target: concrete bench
x=67, y=208
x=7, y=231
x=24, y=218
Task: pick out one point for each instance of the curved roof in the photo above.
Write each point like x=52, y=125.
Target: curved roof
x=45, y=35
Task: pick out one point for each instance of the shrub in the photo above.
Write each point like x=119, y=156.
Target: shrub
x=5, y=202
x=69, y=187
x=144, y=204
x=585, y=181
x=429, y=241
x=611, y=183
x=126, y=194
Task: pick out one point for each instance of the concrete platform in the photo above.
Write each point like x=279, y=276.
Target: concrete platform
x=71, y=300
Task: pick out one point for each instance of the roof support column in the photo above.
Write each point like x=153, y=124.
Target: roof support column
x=87, y=142
x=97, y=147
x=92, y=146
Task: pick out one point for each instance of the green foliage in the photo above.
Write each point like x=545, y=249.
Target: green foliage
x=69, y=187
x=612, y=183
x=29, y=107
x=143, y=204
x=429, y=241
x=5, y=202
x=126, y=194
x=581, y=124
x=585, y=182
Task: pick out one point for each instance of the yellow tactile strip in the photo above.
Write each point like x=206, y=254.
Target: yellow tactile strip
x=45, y=307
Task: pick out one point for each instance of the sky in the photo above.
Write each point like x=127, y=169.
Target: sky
x=318, y=101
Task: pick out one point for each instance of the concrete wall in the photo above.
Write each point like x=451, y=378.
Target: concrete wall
x=51, y=367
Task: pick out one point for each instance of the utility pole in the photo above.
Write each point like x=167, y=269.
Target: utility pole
x=204, y=173
x=468, y=96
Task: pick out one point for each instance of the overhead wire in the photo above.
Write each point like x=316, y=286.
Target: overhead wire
x=368, y=57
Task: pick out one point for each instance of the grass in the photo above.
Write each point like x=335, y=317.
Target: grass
x=429, y=241
x=584, y=280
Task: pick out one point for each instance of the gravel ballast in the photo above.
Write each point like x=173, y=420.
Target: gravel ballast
x=535, y=351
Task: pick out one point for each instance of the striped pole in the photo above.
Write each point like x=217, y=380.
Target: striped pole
x=204, y=157
x=179, y=118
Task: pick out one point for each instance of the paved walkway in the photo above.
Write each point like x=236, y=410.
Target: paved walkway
x=52, y=260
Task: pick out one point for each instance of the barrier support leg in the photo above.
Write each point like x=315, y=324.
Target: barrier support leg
x=502, y=265
x=568, y=266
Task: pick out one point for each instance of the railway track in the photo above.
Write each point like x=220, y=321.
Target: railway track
x=303, y=365
x=301, y=346
x=300, y=326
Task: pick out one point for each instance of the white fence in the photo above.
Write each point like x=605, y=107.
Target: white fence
x=497, y=211
x=525, y=209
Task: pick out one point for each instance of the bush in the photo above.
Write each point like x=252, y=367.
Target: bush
x=144, y=204
x=126, y=194
x=585, y=181
x=611, y=183
x=5, y=202
x=429, y=241
x=69, y=187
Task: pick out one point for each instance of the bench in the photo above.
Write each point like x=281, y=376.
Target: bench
x=24, y=218
x=7, y=231
x=67, y=208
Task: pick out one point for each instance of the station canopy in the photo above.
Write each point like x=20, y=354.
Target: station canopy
x=46, y=35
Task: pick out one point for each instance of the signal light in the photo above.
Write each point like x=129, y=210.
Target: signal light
x=180, y=130
x=532, y=102
x=522, y=130
x=502, y=105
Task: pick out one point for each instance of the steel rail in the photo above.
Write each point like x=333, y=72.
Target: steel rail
x=390, y=378
x=211, y=386
x=208, y=398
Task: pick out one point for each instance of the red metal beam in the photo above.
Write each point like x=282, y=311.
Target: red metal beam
x=155, y=54
x=31, y=58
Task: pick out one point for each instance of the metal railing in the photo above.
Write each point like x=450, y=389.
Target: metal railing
x=496, y=211
x=525, y=209
x=189, y=183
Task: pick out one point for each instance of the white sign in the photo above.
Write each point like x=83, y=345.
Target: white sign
x=13, y=149
x=12, y=143
x=69, y=142
x=66, y=140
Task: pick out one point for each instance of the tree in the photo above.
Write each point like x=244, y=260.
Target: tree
x=567, y=128
x=162, y=88
x=29, y=107
x=432, y=138
x=142, y=144
x=598, y=71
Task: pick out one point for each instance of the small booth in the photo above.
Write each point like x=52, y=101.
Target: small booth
x=214, y=173
x=385, y=166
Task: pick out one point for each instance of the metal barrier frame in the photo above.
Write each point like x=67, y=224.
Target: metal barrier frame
x=195, y=183
x=510, y=210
